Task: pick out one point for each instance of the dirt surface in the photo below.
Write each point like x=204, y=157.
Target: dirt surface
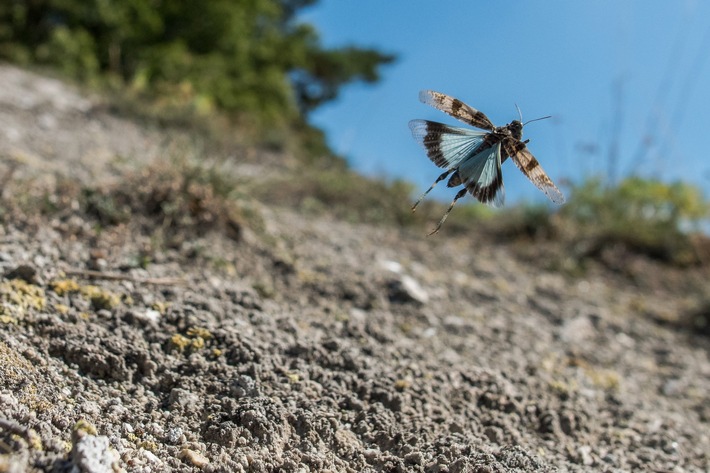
x=308, y=344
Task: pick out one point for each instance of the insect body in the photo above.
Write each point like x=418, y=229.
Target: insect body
x=473, y=158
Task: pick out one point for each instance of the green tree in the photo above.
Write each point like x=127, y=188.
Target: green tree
x=244, y=57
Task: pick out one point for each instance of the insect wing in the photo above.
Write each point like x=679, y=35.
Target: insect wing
x=482, y=175
x=530, y=166
x=456, y=109
x=445, y=145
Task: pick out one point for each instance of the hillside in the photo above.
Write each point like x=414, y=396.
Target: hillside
x=145, y=325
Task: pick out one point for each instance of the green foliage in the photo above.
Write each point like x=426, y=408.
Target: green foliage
x=636, y=201
x=74, y=47
x=645, y=215
x=323, y=73
x=249, y=58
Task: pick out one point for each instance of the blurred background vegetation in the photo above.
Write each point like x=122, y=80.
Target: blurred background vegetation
x=252, y=63
x=248, y=59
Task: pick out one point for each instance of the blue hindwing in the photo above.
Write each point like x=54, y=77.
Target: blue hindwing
x=446, y=146
x=481, y=173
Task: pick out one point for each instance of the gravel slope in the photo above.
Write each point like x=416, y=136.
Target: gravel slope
x=308, y=344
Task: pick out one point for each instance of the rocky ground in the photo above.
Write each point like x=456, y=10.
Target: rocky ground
x=286, y=342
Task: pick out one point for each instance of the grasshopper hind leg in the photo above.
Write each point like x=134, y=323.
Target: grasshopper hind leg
x=438, y=180
x=460, y=194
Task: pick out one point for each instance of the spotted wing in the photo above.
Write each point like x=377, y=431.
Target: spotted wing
x=527, y=163
x=482, y=175
x=446, y=146
x=456, y=109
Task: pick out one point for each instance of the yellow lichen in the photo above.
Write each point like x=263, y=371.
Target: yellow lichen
x=148, y=445
x=402, y=384
x=180, y=341
x=7, y=319
x=100, y=298
x=293, y=377
x=62, y=309
x=600, y=377
x=562, y=386
x=83, y=426
x=17, y=297
x=64, y=286
x=195, y=340
x=199, y=332
x=161, y=307
x=605, y=379
x=34, y=440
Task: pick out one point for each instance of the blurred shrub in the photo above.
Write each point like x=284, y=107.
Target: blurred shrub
x=646, y=216
x=466, y=217
x=178, y=197
x=526, y=221
x=636, y=204
x=343, y=193
x=697, y=320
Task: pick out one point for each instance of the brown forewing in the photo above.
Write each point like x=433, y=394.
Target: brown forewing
x=456, y=109
x=527, y=163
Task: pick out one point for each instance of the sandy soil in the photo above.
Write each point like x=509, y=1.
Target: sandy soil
x=308, y=344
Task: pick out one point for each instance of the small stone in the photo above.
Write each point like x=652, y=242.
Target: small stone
x=193, y=457
x=577, y=330
x=25, y=272
x=392, y=266
x=92, y=454
x=150, y=456
x=585, y=454
x=414, y=458
x=148, y=316
x=182, y=399
x=174, y=435
x=407, y=289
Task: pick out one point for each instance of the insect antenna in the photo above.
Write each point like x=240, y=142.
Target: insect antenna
x=461, y=193
x=536, y=119
x=438, y=179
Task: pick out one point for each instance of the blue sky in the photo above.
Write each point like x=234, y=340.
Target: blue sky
x=631, y=72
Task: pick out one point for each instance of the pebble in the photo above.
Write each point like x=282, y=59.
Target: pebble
x=92, y=454
x=193, y=457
